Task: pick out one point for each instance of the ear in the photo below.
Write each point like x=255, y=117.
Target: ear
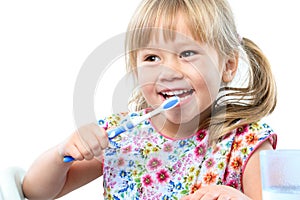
x=230, y=68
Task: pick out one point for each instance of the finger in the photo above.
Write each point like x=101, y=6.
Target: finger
x=191, y=197
x=186, y=198
x=208, y=196
x=205, y=194
x=95, y=145
x=224, y=197
x=97, y=140
x=83, y=147
x=74, y=152
x=198, y=194
x=102, y=136
x=91, y=140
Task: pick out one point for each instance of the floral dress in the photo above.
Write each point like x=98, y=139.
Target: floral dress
x=144, y=164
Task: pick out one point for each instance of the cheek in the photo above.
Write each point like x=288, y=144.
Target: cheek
x=147, y=75
x=147, y=91
x=208, y=81
x=212, y=82
x=146, y=80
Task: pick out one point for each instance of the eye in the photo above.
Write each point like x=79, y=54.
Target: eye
x=152, y=58
x=188, y=53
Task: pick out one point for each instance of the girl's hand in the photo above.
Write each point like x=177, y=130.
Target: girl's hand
x=216, y=192
x=85, y=143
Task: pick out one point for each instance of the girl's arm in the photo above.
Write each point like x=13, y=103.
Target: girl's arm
x=49, y=177
x=251, y=178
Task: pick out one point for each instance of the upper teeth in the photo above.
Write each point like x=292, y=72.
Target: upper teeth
x=175, y=92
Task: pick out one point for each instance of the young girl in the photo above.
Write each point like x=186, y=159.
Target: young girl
x=207, y=147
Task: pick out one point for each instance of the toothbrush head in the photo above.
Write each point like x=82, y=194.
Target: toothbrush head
x=170, y=103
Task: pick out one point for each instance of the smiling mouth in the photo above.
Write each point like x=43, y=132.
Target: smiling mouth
x=182, y=94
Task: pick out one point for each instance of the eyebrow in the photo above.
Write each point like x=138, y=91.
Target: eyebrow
x=181, y=46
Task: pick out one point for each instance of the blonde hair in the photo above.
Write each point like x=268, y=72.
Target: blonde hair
x=212, y=22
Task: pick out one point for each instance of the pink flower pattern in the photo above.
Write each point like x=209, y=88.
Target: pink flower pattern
x=154, y=163
x=162, y=176
x=147, y=180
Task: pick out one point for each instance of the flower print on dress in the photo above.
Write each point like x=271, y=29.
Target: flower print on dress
x=168, y=147
x=210, y=178
x=210, y=163
x=147, y=180
x=121, y=162
x=123, y=174
x=130, y=163
x=201, y=135
x=114, y=120
x=200, y=150
x=244, y=151
x=102, y=123
x=149, y=145
x=236, y=144
x=233, y=183
x=190, y=178
x=192, y=169
x=127, y=149
x=182, y=143
x=251, y=138
x=155, y=149
x=242, y=129
x=236, y=163
x=233, y=179
x=221, y=165
x=256, y=127
x=162, y=176
x=195, y=187
x=154, y=163
x=145, y=153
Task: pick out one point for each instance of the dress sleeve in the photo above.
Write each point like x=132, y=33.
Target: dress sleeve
x=247, y=139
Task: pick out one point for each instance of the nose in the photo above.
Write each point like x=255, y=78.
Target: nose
x=170, y=70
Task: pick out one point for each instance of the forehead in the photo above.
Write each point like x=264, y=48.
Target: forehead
x=169, y=26
x=160, y=36
x=178, y=33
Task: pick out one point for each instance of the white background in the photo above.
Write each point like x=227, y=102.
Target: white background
x=43, y=45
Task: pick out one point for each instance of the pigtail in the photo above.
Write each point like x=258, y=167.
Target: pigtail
x=260, y=96
x=249, y=104
x=262, y=87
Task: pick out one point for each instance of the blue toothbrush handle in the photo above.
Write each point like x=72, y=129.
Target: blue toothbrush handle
x=111, y=134
x=68, y=159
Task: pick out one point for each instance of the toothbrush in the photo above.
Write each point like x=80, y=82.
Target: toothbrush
x=166, y=105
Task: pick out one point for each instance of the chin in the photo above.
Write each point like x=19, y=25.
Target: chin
x=183, y=118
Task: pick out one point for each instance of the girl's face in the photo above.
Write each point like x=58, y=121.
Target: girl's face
x=181, y=67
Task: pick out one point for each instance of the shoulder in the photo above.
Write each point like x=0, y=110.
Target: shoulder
x=252, y=135
x=248, y=138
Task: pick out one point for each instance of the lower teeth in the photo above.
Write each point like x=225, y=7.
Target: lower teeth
x=181, y=98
